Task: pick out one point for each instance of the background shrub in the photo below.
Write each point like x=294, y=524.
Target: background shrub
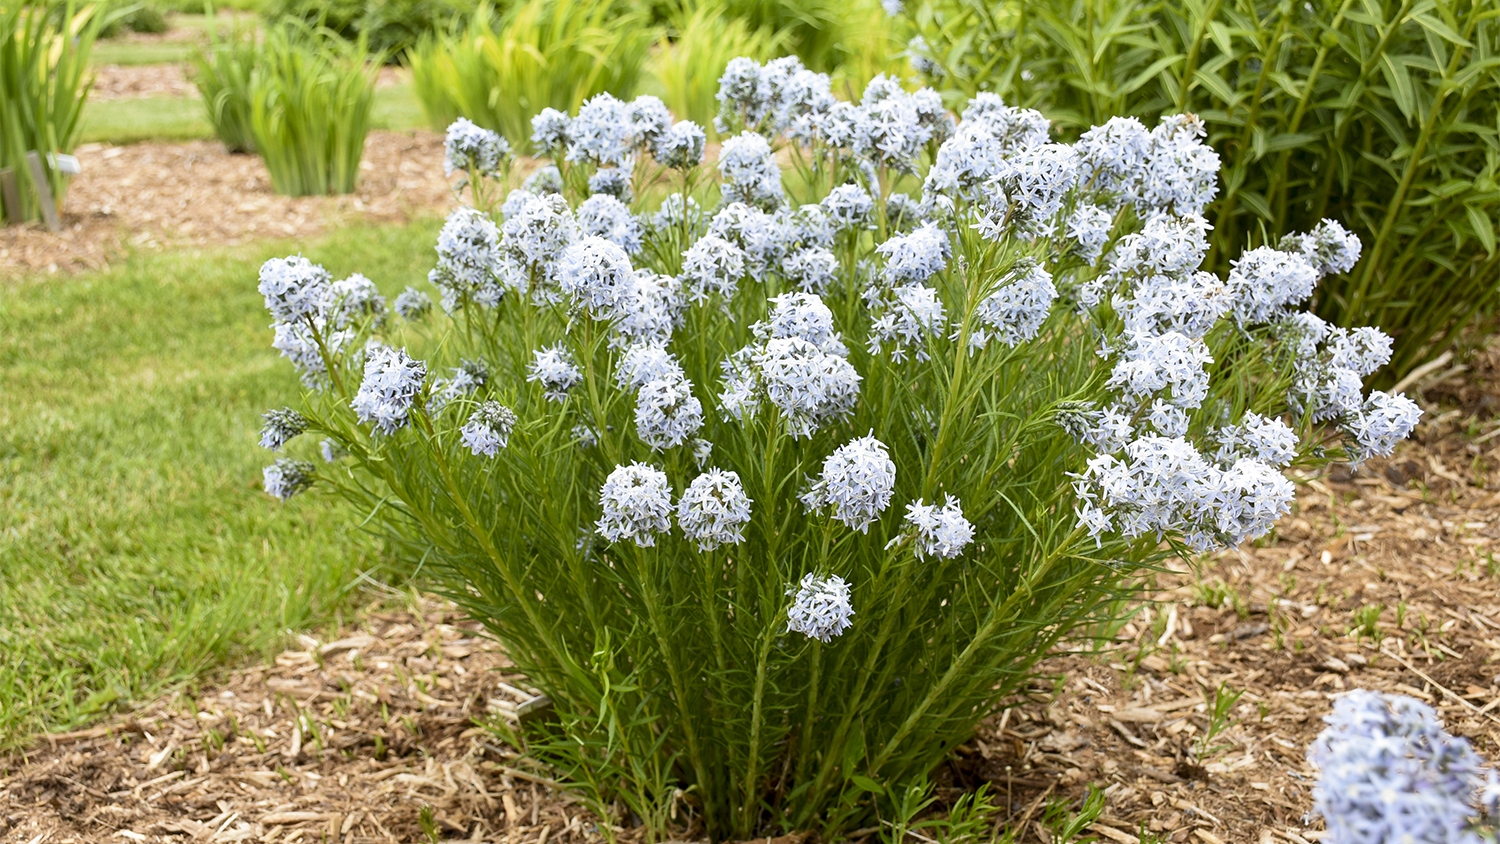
x=499, y=71
x=390, y=27
x=311, y=94
x=136, y=17
x=872, y=43
x=1383, y=114
x=44, y=80
x=222, y=72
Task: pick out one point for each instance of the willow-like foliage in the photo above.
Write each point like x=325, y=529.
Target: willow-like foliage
x=1384, y=114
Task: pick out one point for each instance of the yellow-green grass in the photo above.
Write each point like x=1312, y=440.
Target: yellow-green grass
x=182, y=118
x=137, y=550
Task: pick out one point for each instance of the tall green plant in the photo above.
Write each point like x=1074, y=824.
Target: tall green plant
x=815, y=29
x=311, y=94
x=1381, y=113
x=686, y=65
x=872, y=44
x=44, y=81
x=221, y=71
x=500, y=71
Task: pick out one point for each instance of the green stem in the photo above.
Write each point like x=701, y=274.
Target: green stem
x=810, y=714
x=854, y=703
x=1357, y=90
x=674, y=672
x=1191, y=66
x=527, y=605
x=1227, y=220
x=955, y=383
x=961, y=665
x=328, y=359
x=743, y=823
x=1276, y=199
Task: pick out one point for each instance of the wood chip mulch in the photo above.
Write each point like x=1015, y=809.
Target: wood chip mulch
x=351, y=740
x=158, y=195
x=124, y=82
x=347, y=741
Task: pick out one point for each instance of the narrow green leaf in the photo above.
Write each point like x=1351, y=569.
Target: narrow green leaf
x=866, y=784
x=1399, y=78
x=1484, y=228
x=1257, y=203
x=1151, y=72
x=1214, y=84
x=1441, y=30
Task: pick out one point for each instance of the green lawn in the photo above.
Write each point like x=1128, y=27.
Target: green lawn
x=126, y=51
x=145, y=119
x=182, y=118
x=112, y=51
x=136, y=548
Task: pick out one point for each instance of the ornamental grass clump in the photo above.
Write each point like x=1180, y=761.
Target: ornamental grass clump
x=500, y=68
x=44, y=81
x=221, y=72
x=778, y=486
x=310, y=100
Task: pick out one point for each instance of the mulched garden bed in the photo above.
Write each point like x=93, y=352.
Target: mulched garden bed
x=158, y=195
x=125, y=82
x=351, y=740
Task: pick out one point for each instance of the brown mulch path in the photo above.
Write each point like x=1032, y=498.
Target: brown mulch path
x=155, y=195
x=347, y=741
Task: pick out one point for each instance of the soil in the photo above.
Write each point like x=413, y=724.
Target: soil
x=152, y=196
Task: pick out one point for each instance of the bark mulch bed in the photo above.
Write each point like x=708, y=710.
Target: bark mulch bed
x=157, y=195
x=342, y=741
x=349, y=740
x=126, y=82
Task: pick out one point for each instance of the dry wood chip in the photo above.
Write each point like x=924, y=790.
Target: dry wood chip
x=1114, y=834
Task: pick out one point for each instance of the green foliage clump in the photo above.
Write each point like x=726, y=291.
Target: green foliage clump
x=44, y=81
x=1383, y=114
x=136, y=17
x=221, y=71
x=311, y=96
x=500, y=70
x=815, y=30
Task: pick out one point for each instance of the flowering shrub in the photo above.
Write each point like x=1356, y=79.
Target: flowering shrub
x=780, y=488
x=1389, y=772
